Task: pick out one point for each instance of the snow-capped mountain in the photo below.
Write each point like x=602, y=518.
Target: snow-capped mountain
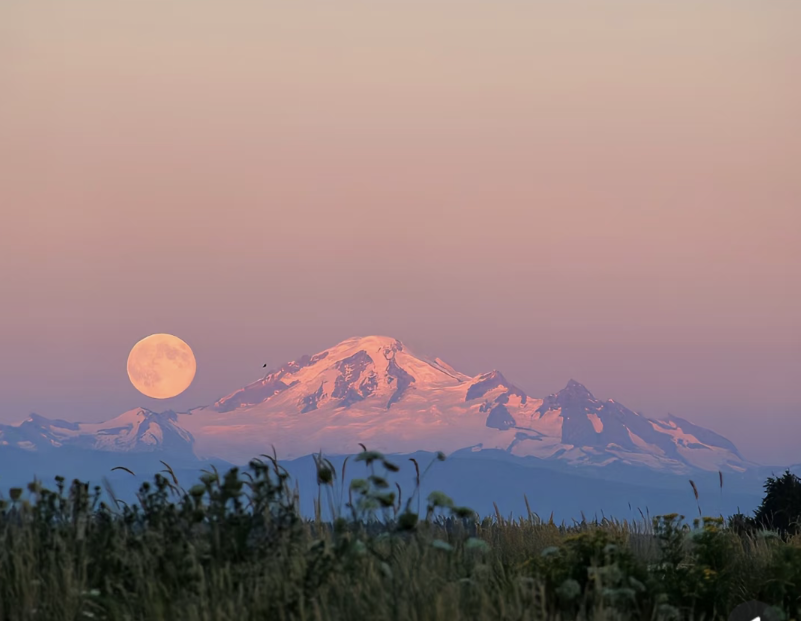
x=138, y=430
x=375, y=391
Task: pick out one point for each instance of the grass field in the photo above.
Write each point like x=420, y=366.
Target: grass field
x=234, y=547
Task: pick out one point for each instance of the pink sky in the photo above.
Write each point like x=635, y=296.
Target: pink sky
x=605, y=191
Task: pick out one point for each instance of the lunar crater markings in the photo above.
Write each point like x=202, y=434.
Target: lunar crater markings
x=161, y=366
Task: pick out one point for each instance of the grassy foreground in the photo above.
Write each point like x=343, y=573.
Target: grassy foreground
x=234, y=547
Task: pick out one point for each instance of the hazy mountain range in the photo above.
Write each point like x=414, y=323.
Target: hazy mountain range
x=375, y=391
x=567, y=452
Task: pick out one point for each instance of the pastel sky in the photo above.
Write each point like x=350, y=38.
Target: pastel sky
x=608, y=191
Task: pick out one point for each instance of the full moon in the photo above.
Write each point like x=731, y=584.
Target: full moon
x=161, y=366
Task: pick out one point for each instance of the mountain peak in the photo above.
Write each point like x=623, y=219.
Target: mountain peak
x=575, y=389
x=370, y=343
x=486, y=382
x=361, y=370
x=42, y=422
x=37, y=419
x=136, y=430
x=494, y=375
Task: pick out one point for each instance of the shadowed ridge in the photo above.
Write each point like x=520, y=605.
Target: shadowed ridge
x=489, y=381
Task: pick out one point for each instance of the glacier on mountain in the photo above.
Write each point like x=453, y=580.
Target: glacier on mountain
x=375, y=391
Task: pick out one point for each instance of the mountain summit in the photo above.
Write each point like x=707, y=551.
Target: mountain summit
x=138, y=430
x=374, y=368
x=374, y=390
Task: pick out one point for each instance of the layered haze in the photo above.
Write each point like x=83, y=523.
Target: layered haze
x=606, y=192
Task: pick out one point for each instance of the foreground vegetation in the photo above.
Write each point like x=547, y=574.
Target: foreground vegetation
x=234, y=547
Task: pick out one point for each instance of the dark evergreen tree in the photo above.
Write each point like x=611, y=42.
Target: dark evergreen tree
x=781, y=507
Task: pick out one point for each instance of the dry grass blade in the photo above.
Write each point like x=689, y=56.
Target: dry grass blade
x=342, y=479
x=110, y=491
x=498, y=515
x=400, y=494
x=416, y=469
x=123, y=468
x=170, y=472
x=695, y=491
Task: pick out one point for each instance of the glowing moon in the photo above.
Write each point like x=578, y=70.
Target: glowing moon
x=161, y=366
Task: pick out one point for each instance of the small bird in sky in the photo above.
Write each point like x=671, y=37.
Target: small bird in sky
x=264, y=366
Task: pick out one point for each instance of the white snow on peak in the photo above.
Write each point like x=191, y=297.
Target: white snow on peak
x=376, y=391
